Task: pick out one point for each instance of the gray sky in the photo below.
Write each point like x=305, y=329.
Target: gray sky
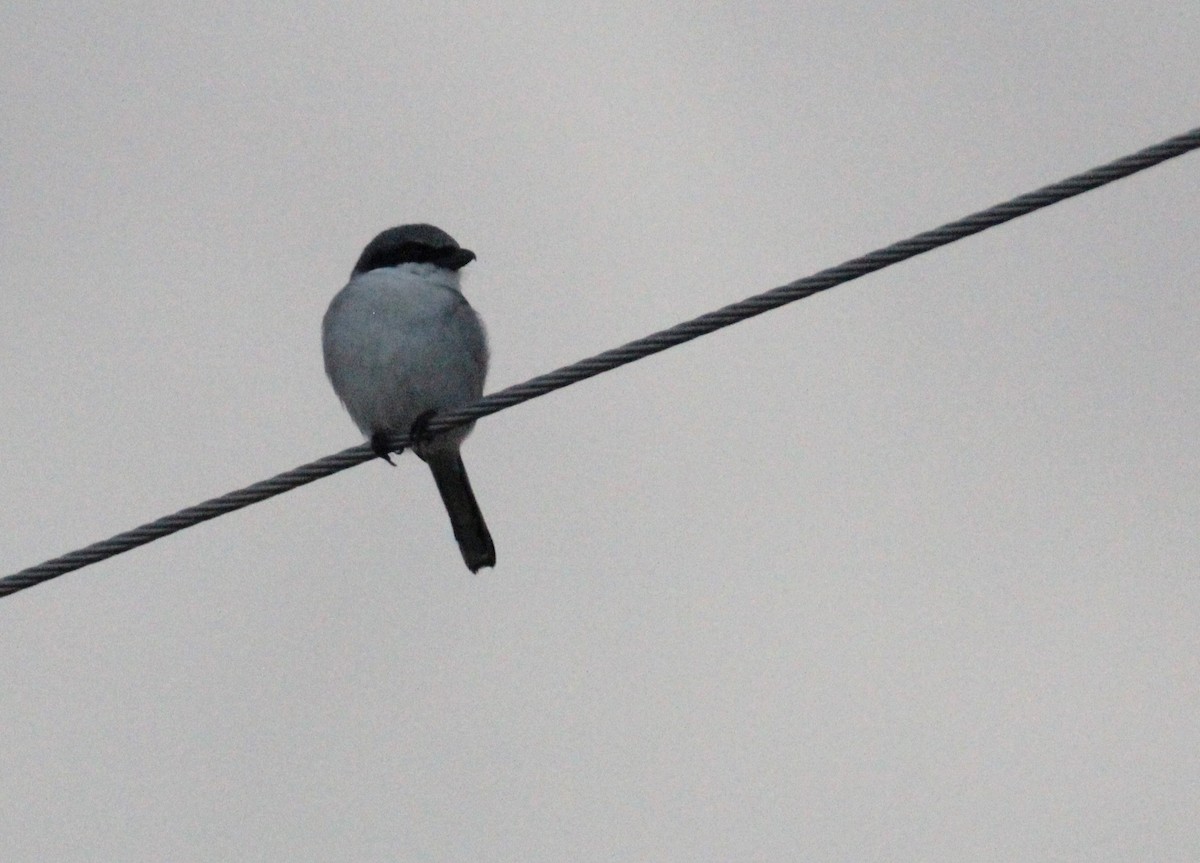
x=907, y=571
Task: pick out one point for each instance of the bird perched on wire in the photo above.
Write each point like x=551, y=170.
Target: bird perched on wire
x=402, y=344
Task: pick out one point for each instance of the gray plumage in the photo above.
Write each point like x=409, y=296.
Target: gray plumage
x=400, y=341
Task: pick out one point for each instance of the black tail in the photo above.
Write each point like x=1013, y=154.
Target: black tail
x=470, y=530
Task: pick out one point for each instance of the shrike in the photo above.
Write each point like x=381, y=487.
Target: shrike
x=401, y=344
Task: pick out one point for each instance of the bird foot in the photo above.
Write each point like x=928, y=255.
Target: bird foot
x=419, y=432
x=379, y=443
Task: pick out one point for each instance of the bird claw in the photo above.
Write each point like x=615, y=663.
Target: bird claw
x=379, y=444
x=419, y=432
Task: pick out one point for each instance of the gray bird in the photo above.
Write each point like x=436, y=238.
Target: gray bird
x=401, y=344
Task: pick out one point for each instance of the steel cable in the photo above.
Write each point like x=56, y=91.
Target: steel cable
x=611, y=359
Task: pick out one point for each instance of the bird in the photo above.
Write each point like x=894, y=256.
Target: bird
x=401, y=344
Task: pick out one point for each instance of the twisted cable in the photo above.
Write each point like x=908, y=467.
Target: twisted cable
x=616, y=357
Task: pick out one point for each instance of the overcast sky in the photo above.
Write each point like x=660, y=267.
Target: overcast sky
x=907, y=571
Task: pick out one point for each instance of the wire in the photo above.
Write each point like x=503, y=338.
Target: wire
x=611, y=359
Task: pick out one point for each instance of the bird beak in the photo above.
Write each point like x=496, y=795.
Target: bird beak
x=458, y=259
